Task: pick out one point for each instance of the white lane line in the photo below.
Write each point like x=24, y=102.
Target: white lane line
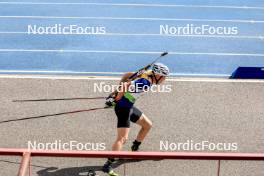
x=60, y=72
x=176, y=79
x=136, y=18
x=220, y=80
x=132, y=52
x=151, y=35
x=138, y=5
x=103, y=73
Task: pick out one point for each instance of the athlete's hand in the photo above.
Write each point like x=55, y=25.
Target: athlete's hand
x=110, y=101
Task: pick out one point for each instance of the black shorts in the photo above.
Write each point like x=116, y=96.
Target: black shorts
x=125, y=115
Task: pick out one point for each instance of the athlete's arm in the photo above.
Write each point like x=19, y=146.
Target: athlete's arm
x=124, y=84
x=126, y=76
x=122, y=90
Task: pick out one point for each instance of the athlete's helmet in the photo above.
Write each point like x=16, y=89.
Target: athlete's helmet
x=160, y=69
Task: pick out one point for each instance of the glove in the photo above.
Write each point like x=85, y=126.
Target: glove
x=110, y=101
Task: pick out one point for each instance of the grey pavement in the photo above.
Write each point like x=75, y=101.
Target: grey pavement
x=214, y=110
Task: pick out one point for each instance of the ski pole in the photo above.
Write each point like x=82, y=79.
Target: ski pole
x=51, y=115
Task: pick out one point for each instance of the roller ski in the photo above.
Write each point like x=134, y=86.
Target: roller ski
x=107, y=168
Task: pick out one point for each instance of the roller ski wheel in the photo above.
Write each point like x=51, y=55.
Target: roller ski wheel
x=109, y=170
x=112, y=173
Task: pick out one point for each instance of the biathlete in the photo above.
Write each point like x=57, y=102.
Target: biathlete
x=123, y=101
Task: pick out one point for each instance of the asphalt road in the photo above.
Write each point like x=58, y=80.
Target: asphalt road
x=214, y=110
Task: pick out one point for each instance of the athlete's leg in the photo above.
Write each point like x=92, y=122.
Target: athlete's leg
x=146, y=125
x=123, y=125
x=122, y=135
